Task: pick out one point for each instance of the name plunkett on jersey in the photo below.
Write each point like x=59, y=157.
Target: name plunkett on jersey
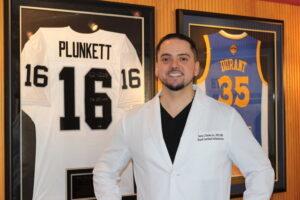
x=68, y=49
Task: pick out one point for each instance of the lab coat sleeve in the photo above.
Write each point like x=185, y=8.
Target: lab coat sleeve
x=107, y=170
x=248, y=155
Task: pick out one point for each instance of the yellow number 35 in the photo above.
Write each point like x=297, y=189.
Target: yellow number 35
x=241, y=83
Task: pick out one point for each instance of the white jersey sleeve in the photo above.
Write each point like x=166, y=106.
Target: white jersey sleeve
x=34, y=68
x=131, y=86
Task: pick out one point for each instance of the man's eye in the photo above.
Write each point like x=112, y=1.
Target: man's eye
x=165, y=59
x=183, y=59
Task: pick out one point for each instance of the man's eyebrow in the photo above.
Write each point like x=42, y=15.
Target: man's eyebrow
x=165, y=54
x=181, y=54
x=184, y=54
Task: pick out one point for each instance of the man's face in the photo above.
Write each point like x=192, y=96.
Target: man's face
x=176, y=65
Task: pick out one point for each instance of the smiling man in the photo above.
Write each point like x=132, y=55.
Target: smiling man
x=182, y=142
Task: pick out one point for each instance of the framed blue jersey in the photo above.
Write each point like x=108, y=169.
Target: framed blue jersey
x=241, y=60
x=233, y=75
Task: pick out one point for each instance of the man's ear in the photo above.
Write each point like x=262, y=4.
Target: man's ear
x=156, y=70
x=197, y=69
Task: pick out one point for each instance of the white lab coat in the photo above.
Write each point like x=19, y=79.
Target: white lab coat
x=214, y=136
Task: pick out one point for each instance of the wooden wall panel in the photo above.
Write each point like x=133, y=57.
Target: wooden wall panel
x=290, y=15
x=165, y=23
x=1, y=102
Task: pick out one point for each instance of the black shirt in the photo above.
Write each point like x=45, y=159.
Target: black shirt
x=172, y=128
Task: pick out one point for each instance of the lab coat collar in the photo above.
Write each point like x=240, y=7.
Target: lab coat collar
x=198, y=108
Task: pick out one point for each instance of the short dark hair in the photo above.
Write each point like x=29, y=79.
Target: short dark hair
x=180, y=37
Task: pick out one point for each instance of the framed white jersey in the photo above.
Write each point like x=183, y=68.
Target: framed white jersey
x=73, y=70
x=75, y=87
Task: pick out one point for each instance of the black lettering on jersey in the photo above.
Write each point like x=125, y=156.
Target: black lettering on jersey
x=69, y=121
x=134, y=80
x=88, y=50
x=108, y=49
x=39, y=76
x=40, y=79
x=101, y=50
x=93, y=99
x=80, y=48
x=61, y=47
x=94, y=51
x=84, y=50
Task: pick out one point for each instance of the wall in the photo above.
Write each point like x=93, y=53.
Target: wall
x=165, y=22
x=1, y=102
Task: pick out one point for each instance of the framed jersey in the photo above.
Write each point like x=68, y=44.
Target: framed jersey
x=242, y=65
x=72, y=70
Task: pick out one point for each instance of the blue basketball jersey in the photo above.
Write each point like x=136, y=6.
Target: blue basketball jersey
x=233, y=75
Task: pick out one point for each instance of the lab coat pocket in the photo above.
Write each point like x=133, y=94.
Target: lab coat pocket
x=208, y=189
x=208, y=153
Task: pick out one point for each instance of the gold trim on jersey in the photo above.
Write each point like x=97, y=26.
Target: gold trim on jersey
x=228, y=27
x=258, y=63
x=233, y=36
x=208, y=58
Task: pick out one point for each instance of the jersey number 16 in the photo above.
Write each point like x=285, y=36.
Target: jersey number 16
x=92, y=98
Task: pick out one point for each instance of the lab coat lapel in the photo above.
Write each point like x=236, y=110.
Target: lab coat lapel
x=157, y=135
x=192, y=126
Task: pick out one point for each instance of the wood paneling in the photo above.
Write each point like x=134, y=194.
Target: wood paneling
x=165, y=23
x=1, y=102
x=291, y=16
x=294, y=2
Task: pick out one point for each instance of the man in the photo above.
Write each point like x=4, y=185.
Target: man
x=182, y=142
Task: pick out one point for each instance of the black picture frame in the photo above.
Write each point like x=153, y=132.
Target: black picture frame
x=23, y=18
x=196, y=24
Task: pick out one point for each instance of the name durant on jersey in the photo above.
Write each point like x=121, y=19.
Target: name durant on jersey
x=84, y=50
x=233, y=64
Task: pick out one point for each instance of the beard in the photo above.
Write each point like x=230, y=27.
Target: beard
x=176, y=87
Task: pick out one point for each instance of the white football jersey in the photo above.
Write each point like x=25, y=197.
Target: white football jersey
x=75, y=87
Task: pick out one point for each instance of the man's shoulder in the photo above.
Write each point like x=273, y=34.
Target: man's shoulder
x=212, y=104
x=141, y=110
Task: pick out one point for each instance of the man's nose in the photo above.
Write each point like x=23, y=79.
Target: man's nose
x=174, y=63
